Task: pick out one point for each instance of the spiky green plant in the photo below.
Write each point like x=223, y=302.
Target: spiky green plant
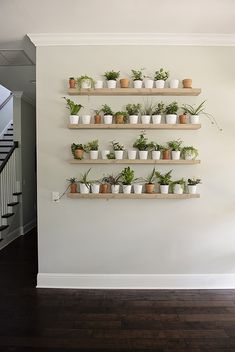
x=73, y=107
x=164, y=179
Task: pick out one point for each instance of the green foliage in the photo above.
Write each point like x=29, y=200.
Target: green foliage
x=148, y=108
x=175, y=145
x=164, y=179
x=85, y=78
x=158, y=109
x=151, y=177
x=74, y=108
x=133, y=109
x=72, y=180
x=127, y=176
x=112, y=179
x=154, y=146
x=84, y=178
x=92, y=145
x=75, y=146
x=107, y=110
x=121, y=113
x=137, y=75
x=191, y=151
x=161, y=75
x=194, y=181
x=117, y=145
x=180, y=182
x=112, y=75
x=98, y=111
x=142, y=142
x=172, y=108
x=111, y=155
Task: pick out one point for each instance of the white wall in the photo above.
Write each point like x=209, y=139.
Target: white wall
x=137, y=236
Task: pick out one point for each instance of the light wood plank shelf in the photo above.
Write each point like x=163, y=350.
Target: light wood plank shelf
x=135, y=161
x=139, y=126
x=132, y=196
x=134, y=91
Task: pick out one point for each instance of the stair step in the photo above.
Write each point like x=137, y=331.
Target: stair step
x=5, y=140
x=10, y=129
x=4, y=152
x=6, y=146
x=2, y=159
x=8, y=134
x=8, y=215
x=2, y=228
x=17, y=193
x=12, y=204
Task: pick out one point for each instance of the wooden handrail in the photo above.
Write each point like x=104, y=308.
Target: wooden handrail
x=6, y=101
x=15, y=145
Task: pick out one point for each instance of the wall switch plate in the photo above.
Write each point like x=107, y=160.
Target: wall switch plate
x=55, y=197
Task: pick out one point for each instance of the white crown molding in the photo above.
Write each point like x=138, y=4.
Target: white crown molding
x=191, y=39
x=21, y=95
x=135, y=281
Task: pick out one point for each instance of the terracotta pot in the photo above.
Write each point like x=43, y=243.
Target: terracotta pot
x=124, y=83
x=72, y=83
x=183, y=119
x=119, y=119
x=73, y=188
x=97, y=119
x=187, y=83
x=79, y=153
x=149, y=187
x=166, y=154
x=104, y=187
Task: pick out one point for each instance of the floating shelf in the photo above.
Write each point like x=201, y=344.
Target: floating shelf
x=135, y=161
x=139, y=126
x=135, y=91
x=132, y=196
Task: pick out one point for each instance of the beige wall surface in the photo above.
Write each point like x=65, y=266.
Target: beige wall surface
x=136, y=236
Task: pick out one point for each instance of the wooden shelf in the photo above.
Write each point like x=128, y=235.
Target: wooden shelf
x=131, y=196
x=135, y=161
x=139, y=126
x=134, y=91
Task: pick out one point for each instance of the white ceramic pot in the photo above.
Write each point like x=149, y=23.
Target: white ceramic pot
x=108, y=119
x=86, y=119
x=138, y=84
x=112, y=83
x=164, y=189
x=174, y=83
x=194, y=119
x=171, y=119
x=192, y=189
x=126, y=189
x=73, y=119
x=133, y=119
x=94, y=154
x=104, y=153
x=156, y=119
x=99, y=84
x=138, y=188
x=84, y=189
x=160, y=83
x=143, y=154
x=189, y=156
x=86, y=84
x=118, y=154
x=131, y=154
x=95, y=188
x=148, y=83
x=178, y=189
x=145, y=119
x=115, y=188
x=175, y=154
x=156, y=154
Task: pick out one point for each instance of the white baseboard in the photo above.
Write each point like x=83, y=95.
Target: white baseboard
x=28, y=227
x=135, y=281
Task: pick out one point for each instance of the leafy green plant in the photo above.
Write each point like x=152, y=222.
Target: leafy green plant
x=85, y=78
x=107, y=110
x=142, y=142
x=127, y=176
x=84, y=178
x=112, y=75
x=154, y=146
x=194, y=181
x=164, y=179
x=180, y=182
x=161, y=75
x=117, y=145
x=73, y=108
x=75, y=146
x=92, y=145
x=137, y=75
x=111, y=155
x=72, y=180
x=97, y=111
x=191, y=151
x=133, y=109
x=171, y=108
x=147, y=108
x=175, y=145
x=151, y=177
x=121, y=113
x=158, y=109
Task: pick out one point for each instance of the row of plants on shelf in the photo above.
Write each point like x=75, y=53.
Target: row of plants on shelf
x=138, y=77
x=171, y=150
x=127, y=180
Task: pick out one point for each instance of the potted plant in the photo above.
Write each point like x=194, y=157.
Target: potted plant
x=72, y=82
x=118, y=150
x=86, y=119
x=155, y=149
x=104, y=153
x=114, y=182
x=73, y=184
x=183, y=118
x=112, y=77
x=108, y=114
x=133, y=111
x=164, y=181
x=174, y=83
x=104, y=185
x=146, y=112
x=77, y=150
x=187, y=83
x=138, y=185
x=148, y=82
x=192, y=185
x=166, y=152
x=194, y=113
x=74, y=110
x=178, y=187
x=98, y=84
x=127, y=177
x=142, y=145
x=137, y=77
x=85, y=82
x=92, y=148
x=95, y=186
x=149, y=181
x=97, y=117
x=171, y=112
x=160, y=78
x=84, y=182
x=189, y=153
x=175, y=147
x=157, y=112
x=124, y=82
x=131, y=154
x=120, y=117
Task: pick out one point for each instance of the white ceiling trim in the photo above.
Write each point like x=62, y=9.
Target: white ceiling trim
x=20, y=95
x=190, y=39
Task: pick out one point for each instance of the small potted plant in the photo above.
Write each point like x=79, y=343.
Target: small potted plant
x=77, y=150
x=118, y=150
x=108, y=114
x=74, y=110
x=124, y=82
x=97, y=116
x=189, y=153
x=127, y=177
x=157, y=112
x=174, y=83
x=114, y=181
x=164, y=181
x=131, y=154
x=72, y=82
x=111, y=156
x=150, y=181
x=155, y=149
x=146, y=112
x=148, y=82
x=133, y=111
x=95, y=186
x=187, y=83
x=85, y=183
x=86, y=119
x=98, y=84
x=160, y=78
x=85, y=82
x=142, y=145
x=175, y=147
x=73, y=184
x=104, y=185
x=92, y=148
x=192, y=185
x=104, y=153
x=195, y=112
x=178, y=187
x=166, y=152
x=120, y=117
x=112, y=77
x=171, y=112
x=137, y=77
x=183, y=118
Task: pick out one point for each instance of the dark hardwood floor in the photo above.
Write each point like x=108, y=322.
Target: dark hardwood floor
x=42, y=320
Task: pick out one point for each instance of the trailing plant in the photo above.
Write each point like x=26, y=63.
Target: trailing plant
x=153, y=146
x=92, y=145
x=73, y=108
x=158, y=109
x=72, y=180
x=151, y=177
x=127, y=176
x=112, y=75
x=142, y=142
x=191, y=151
x=147, y=108
x=84, y=178
x=75, y=146
x=133, y=109
x=106, y=110
x=171, y=108
x=164, y=179
x=175, y=145
x=137, y=75
x=85, y=78
x=111, y=155
x=117, y=145
x=161, y=75
x=193, y=181
x=180, y=182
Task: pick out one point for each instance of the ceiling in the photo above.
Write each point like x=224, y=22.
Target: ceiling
x=18, y=18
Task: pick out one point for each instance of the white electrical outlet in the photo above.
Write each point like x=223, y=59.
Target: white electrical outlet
x=55, y=197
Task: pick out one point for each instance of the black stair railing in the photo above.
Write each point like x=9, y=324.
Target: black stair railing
x=6, y=101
